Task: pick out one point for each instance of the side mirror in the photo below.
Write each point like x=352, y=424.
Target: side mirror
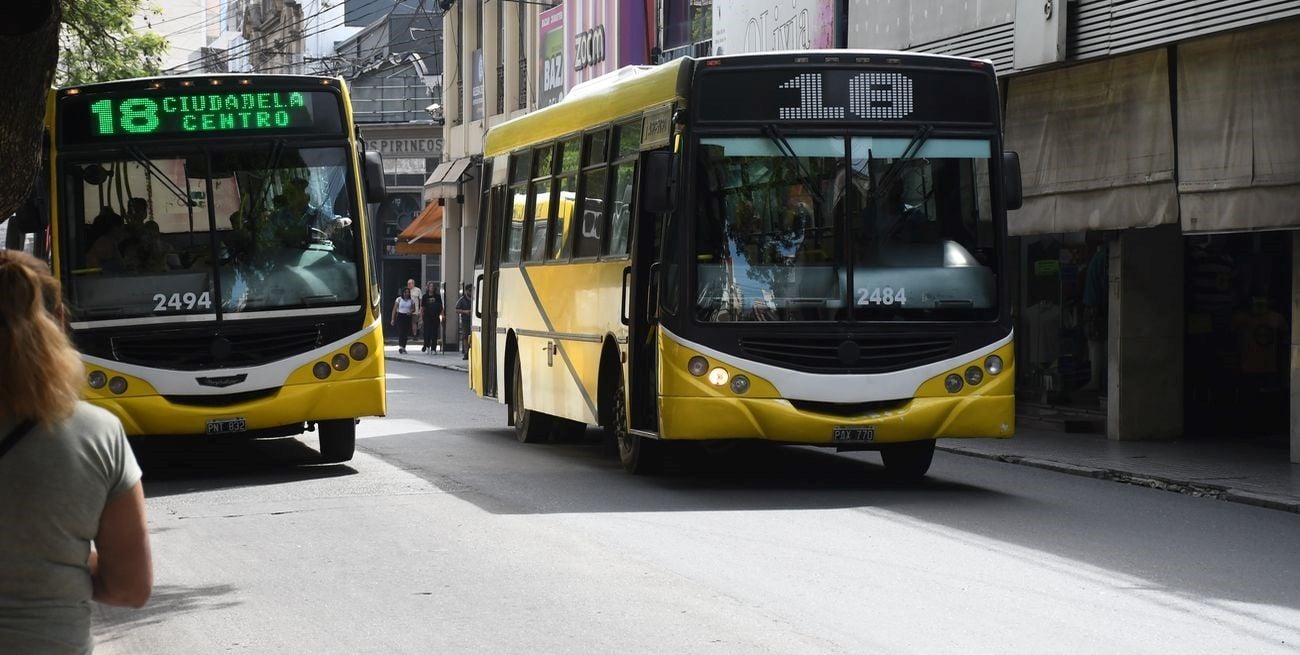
x=376, y=191
x=658, y=193
x=1012, y=186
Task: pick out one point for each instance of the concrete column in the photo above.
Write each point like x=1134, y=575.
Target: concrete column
x=1295, y=347
x=1145, y=335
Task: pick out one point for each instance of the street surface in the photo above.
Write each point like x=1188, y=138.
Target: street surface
x=445, y=535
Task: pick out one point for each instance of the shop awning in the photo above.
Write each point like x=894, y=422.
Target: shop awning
x=445, y=180
x=1238, y=131
x=424, y=235
x=1096, y=144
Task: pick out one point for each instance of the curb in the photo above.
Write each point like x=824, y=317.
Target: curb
x=1186, y=487
x=450, y=367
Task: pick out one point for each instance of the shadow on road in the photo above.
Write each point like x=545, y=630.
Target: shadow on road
x=167, y=602
x=178, y=465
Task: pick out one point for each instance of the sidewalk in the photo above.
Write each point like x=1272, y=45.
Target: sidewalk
x=1242, y=473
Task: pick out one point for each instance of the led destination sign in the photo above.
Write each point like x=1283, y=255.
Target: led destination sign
x=912, y=95
x=196, y=113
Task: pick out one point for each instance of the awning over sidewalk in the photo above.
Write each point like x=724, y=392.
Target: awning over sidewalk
x=424, y=235
x=445, y=180
x=1238, y=131
x=1096, y=144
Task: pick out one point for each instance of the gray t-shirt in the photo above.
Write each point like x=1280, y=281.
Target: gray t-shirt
x=53, y=488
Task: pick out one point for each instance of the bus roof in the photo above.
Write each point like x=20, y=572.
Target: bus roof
x=173, y=81
x=602, y=100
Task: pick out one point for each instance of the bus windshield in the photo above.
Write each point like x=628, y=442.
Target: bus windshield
x=783, y=224
x=189, y=232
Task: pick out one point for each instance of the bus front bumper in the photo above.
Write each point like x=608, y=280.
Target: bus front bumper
x=291, y=405
x=779, y=420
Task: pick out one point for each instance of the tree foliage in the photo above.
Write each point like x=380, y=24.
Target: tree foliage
x=99, y=42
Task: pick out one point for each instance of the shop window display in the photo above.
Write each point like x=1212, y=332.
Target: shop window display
x=1062, y=323
x=1238, y=290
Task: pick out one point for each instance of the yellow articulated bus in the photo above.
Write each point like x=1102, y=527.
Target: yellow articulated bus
x=211, y=236
x=799, y=247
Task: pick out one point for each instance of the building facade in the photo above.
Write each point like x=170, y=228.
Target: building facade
x=502, y=60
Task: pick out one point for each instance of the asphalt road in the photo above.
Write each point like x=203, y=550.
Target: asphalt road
x=445, y=535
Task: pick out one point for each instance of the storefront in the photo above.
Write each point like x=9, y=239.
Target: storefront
x=1162, y=194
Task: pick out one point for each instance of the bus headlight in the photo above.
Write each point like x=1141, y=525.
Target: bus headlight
x=953, y=383
x=340, y=362
x=321, y=370
x=698, y=366
x=117, y=385
x=974, y=375
x=740, y=384
x=993, y=364
x=97, y=380
x=358, y=351
x=718, y=376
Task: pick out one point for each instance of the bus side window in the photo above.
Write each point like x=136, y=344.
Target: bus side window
x=591, y=227
x=620, y=218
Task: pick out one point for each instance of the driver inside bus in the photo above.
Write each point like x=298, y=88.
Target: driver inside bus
x=294, y=216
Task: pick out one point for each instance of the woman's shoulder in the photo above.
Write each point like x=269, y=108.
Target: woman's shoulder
x=91, y=422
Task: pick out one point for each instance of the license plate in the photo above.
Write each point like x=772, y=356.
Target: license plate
x=854, y=433
x=226, y=425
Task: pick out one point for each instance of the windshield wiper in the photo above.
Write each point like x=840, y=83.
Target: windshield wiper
x=157, y=174
x=773, y=133
x=909, y=152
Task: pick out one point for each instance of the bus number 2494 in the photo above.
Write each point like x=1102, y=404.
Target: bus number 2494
x=179, y=301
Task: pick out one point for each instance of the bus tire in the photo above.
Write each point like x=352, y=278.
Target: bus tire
x=530, y=426
x=338, y=440
x=639, y=455
x=907, y=461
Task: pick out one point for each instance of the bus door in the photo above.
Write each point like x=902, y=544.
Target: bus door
x=487, y=282
x=641, y=313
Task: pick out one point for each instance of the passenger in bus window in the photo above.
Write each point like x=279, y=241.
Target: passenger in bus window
x=72, y=519
x=105, y=251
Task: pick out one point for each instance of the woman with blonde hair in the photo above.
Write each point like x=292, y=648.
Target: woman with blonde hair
x=72, y=519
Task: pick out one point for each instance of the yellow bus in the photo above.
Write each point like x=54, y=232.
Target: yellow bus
x=800, y=247
x=211, y=236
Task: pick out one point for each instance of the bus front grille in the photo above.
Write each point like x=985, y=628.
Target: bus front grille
x=200, y=349
x=883, y=353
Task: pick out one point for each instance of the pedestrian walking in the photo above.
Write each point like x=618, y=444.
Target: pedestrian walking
x=404, y=309
x=72, y=511
x=431, y=313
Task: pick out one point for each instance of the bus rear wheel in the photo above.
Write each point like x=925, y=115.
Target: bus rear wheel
x=530, y=426
x=638, y=454
x=907, y=461
x=338, y=440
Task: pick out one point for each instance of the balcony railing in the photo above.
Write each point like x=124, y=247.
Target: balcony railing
x=501, y=88
x=523, y=83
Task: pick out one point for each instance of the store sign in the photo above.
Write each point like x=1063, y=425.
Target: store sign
x=431, y=147
x=771, y=25
x=551, y=31
x=589, y=48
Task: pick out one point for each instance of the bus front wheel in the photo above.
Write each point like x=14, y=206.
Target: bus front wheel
x=530, y=426
x=338, y=440
x=639, y=455
x=907, y=461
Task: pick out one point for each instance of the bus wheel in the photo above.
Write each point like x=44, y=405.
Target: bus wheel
x=338, y=440
x=638, y=454
x=907, y=461
x=530, y=426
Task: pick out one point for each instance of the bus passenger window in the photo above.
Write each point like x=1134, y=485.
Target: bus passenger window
x=513, y=244
x=561, y=232
x=591, y=222
x=536, y=228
